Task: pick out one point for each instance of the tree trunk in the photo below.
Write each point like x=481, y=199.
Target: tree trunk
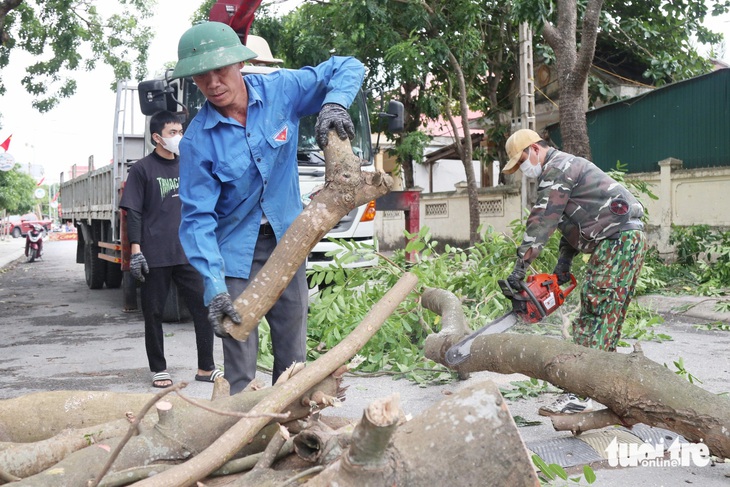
x=468, y=439
x=42, y=415
x=634, y=388
x=465, y=148
x=573, y=65
x=346, y=188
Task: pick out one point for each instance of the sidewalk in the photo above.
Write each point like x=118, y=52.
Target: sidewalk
x=11, y=249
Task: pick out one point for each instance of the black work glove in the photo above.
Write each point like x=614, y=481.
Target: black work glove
x=562, y=270
x=220, y=307
x=518, y=275
x=138, y=266
x=333, y=116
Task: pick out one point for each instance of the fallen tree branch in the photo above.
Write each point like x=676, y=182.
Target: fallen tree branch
x=175, y=437
x=232, y=440
x=581, y=422
x=134, y=429
x=346, y=188
x=635, y=388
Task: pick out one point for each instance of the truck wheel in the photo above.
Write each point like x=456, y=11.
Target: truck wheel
x=16, y=232
x=113, y=278
x=94, y=267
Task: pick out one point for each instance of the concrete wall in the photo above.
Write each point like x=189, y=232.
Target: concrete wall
x=446, y=173
x=685, y=197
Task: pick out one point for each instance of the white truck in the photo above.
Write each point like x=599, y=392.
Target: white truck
x=91, y=200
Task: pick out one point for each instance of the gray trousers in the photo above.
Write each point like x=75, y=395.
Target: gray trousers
x=287, y=320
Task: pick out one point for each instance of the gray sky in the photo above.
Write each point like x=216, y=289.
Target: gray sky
x=82, y=125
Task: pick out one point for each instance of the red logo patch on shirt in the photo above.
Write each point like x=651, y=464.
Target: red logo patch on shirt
x=282, y=135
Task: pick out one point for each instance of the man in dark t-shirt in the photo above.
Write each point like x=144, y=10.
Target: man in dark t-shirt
x=153, y=218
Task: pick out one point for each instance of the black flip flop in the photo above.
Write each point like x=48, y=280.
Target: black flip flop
x=209, y=378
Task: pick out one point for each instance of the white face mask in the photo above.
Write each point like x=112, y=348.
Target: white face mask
x=531, y=170
x=172, y=143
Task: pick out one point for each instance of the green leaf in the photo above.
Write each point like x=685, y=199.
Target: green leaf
x=559, y=471
x=543, y=467
x=589, y=474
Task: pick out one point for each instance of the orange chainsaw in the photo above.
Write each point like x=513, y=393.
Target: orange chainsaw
x=539, y=296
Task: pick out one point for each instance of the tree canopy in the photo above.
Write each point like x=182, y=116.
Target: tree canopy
x=16, y=191
x=64, y=36
x=661, y=35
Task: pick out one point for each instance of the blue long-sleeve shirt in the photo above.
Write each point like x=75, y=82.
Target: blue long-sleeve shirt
x=230, y=175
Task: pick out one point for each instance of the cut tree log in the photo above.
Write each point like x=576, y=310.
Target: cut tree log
x=468, y=439
x=175, y=437
x=346, y=187
x=634, y=388
x=26, y=459
x=237, y=436
x=42, y=415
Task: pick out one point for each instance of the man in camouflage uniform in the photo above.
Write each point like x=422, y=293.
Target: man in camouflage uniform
x=595, y=215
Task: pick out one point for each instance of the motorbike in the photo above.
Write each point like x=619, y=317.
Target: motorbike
x=34, y=243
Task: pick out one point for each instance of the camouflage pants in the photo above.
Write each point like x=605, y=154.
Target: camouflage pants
x=610, y=280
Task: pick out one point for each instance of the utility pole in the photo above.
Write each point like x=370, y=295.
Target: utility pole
x=527, y=106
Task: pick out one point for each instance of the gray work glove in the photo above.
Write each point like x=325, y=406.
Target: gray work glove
x=138, y=266
x=518, y=275
x=562, y=270
x=220, y=307
x=333, y=116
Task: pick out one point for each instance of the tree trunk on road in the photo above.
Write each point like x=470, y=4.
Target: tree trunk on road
x=468, y=439
x=634, y=388
x=175, y=438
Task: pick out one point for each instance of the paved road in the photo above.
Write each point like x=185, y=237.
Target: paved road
x=58, y=334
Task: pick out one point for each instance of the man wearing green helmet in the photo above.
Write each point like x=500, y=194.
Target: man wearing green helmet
x=239, y=184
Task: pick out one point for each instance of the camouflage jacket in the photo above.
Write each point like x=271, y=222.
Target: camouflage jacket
x=579, y=199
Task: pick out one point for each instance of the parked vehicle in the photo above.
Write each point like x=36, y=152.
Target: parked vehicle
x=19, y=225
x=34, y=243
x=91, y=200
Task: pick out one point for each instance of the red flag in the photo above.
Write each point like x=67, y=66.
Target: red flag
x=6, y=144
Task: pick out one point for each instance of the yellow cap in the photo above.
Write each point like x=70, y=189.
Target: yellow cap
x=517, y=143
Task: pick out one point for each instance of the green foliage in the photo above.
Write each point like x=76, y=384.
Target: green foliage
x=683, y=372
x=412, y=146
x=413, y=52
x=703, y=254
x=528, y=388
x=69, y=35
x=663, y=35
x=639, y=324
x=550, y=474
x=715, y=326
x=16, y=191
x=471, y=274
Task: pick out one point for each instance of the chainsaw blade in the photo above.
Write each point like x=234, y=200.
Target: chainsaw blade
x=461, y=351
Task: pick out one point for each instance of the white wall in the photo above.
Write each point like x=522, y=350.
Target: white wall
x=446, y=173
x=685, y=197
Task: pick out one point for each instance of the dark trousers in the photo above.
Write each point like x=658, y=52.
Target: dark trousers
x=287, y=320
x=154, y=296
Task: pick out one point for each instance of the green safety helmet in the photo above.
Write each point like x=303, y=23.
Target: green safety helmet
x=208, y=46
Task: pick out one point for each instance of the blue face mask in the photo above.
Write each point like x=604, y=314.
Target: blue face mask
x=531, y=170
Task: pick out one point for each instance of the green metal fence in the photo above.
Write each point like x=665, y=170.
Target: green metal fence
x=687, y=120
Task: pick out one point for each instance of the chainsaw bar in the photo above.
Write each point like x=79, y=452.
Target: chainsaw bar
x=461, y=351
